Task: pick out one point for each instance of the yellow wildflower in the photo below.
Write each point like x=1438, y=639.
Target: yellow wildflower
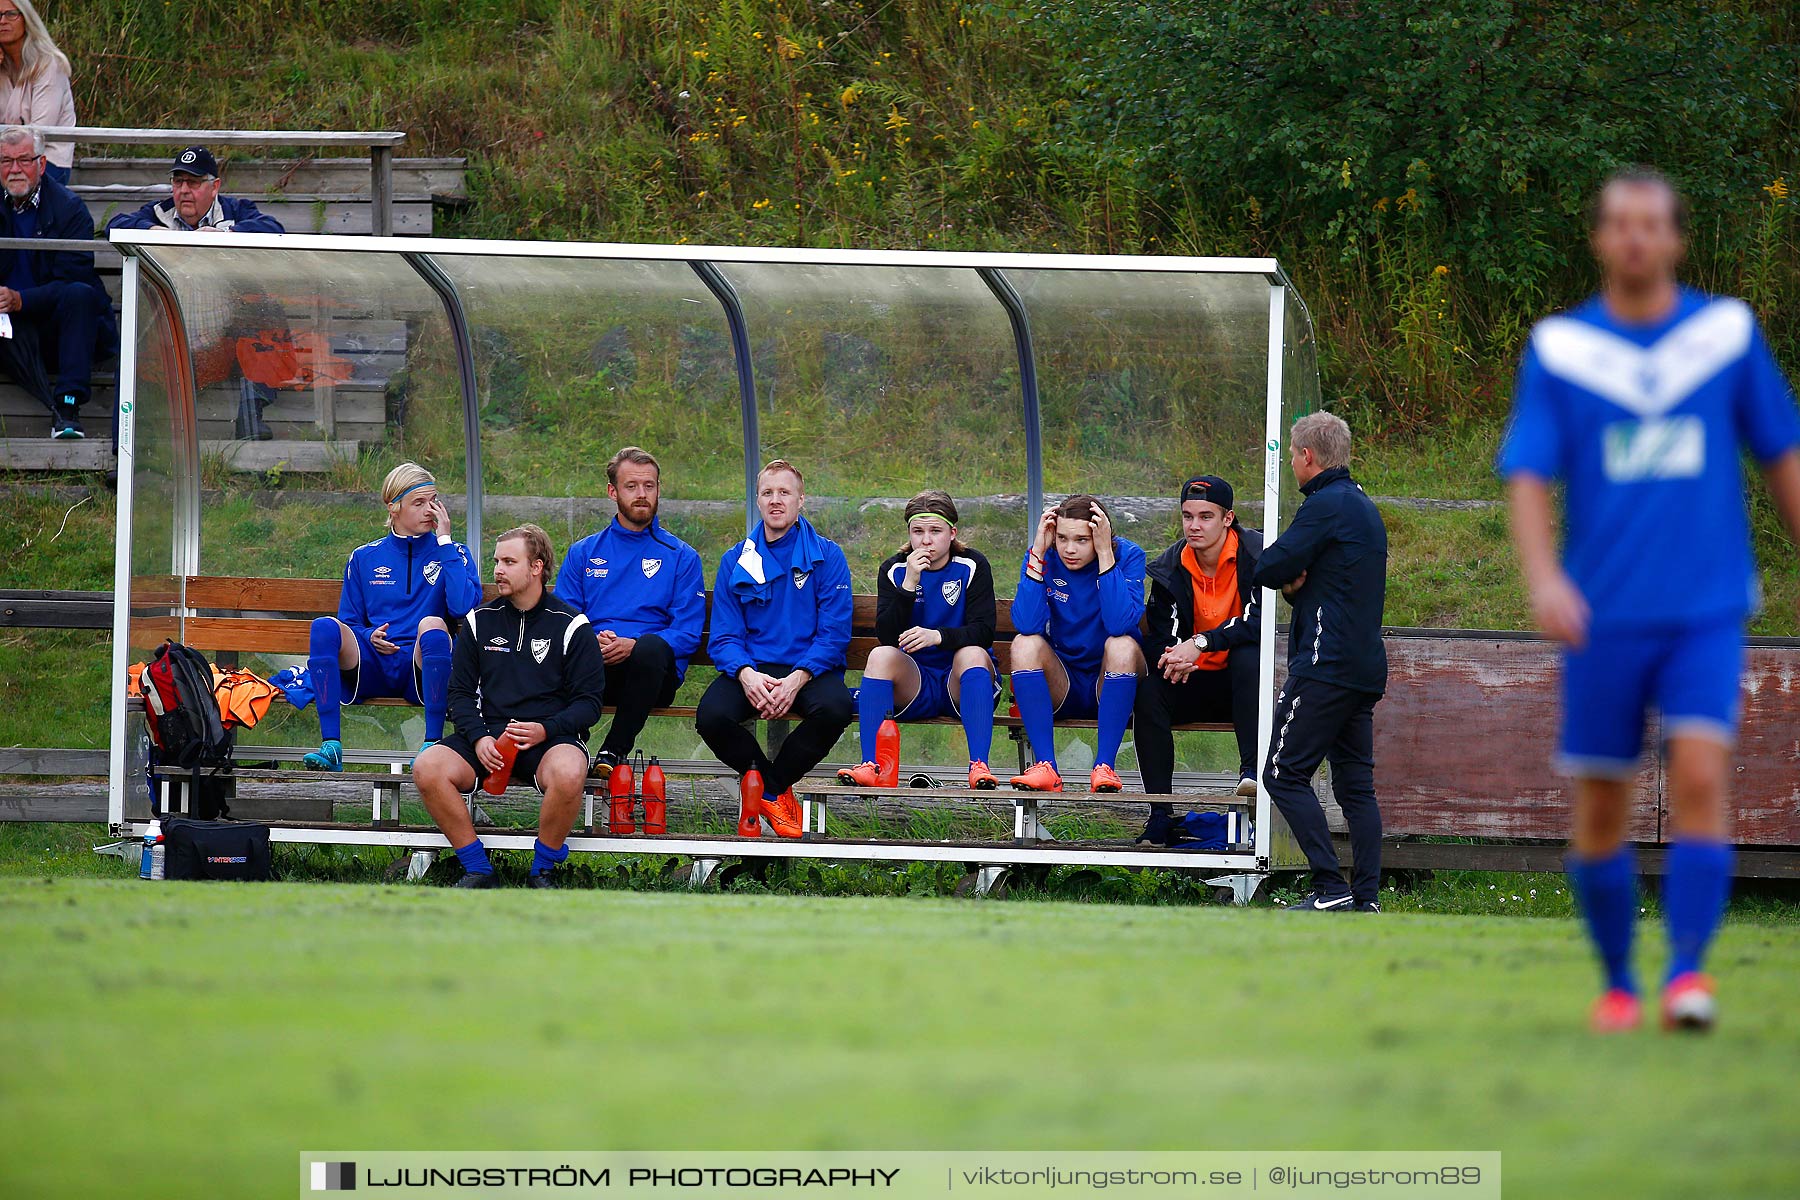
x=1778, y=190
x=760, y=204
x=848, y=96
x=895, y=121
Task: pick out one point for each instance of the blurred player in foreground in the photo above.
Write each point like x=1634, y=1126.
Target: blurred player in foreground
x=1640, y=402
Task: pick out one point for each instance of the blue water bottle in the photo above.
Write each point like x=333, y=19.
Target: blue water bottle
x=150, y=864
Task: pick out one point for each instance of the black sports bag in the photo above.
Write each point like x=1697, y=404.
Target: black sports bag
x=216, y=849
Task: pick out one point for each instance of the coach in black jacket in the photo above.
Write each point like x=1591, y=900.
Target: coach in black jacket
x=527, y=668
x=1203, y=655
x=62, y=318
x=1331, y=563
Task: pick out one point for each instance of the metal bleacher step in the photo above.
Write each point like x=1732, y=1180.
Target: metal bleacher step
x=1220, y=799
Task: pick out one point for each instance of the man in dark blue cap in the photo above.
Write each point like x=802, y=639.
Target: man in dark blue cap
x=194, y=204
x=57, y=317
x=1205, y=632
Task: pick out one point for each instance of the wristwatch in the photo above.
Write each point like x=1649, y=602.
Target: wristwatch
x=1199, y=640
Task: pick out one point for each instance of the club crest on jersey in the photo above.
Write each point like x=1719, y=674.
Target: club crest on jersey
x=540, y=648
x=433, y=569
x=800, y=577
x=952, y=589
x=651, y=566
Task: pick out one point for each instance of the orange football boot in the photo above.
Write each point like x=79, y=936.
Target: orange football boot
x=1617, y=1011
x=783, y=815
x=980, y=778
x=866, y=775
x=1688, y=1005
x=1042, y=777
x=1104, y=779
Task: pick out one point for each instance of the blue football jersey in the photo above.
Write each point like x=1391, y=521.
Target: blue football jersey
x=1645, y=426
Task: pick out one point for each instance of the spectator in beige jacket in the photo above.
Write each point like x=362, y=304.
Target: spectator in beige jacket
x=34, y=81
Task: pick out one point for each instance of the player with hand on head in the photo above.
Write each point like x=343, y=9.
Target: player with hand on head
x=391, y=637
x=1076, y=654
x=934, y=616
x=1640, y=402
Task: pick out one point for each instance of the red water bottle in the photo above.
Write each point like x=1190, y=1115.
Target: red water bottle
x=618, y=791
x=656, y=799
x=495, y=783
x=887, y=753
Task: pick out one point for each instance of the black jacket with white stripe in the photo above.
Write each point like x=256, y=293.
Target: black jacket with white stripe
x=540, y=665
x=1170, y=615
x=1338, y=541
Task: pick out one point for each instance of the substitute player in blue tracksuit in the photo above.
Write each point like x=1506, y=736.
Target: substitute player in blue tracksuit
x=1640, y=402
x=644, y=592
x=391, y=637
x=1077, y=655
x=782, y=607
x=934, y=617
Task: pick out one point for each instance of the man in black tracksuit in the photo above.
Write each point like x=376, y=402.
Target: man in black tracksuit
x=1331, y=563
x=1205, y=630
x=526, y=670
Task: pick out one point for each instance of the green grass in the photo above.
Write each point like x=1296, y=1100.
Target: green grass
x=297, y=1016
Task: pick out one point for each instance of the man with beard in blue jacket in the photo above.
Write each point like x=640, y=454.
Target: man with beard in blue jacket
x=644, y=592
x=782, y=607
x=1331, y=563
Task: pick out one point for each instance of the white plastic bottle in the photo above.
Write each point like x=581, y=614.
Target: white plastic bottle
x=150, y=865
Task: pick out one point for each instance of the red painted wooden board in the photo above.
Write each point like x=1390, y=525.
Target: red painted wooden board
x=1466, y=733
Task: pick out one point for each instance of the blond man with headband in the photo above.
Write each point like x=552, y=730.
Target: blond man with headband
x=935, y=618
x=391, y=637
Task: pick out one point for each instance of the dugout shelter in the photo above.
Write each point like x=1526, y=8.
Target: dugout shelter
x=513, y=369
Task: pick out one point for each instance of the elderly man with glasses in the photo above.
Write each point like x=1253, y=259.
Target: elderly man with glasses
x=55, y=315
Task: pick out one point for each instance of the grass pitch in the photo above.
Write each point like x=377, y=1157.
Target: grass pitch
x=146, y=1028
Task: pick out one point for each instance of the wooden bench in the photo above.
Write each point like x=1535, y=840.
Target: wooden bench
x=224, y=628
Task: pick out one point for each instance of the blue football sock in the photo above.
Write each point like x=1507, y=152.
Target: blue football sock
x=1694, y=893
x=874, y=701
x=474, y=858
x=976, y=692
x=544, y=860
x=1118, y=694
x=434, y=680
x=1037, y=712
x=1607, y=889
x=322, y=672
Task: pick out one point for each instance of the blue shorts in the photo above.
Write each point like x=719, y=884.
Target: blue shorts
x=934, y=699
x=380, y=676
x=1083, y=701
x=1692, y=677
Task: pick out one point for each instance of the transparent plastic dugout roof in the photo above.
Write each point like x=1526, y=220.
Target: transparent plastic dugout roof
x=274, y=380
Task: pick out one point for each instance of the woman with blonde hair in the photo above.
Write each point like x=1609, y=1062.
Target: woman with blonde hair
x=34, y=81
x=401, y=592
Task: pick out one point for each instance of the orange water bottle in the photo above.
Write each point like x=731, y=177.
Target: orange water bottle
x=656, y=799
x=887, y=753
x=618, y=792
x=495, y=783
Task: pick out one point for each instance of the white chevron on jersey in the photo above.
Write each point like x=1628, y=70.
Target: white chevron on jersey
x=1648, y=380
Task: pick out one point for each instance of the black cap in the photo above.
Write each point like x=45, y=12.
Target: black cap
x=1209, y=488
x=195, y=160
